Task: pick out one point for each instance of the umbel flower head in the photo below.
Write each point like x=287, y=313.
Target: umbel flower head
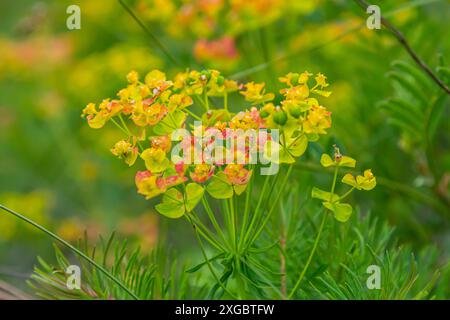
x=149, y=110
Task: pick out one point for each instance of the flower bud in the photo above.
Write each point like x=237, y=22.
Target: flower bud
x=264, y=113
x=295, y=111
x=280, y=117
x=220, y=80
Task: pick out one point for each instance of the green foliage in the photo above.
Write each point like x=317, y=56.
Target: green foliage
x=154, y=276
x=418, y=105
x=338, y=270
x=405, y=140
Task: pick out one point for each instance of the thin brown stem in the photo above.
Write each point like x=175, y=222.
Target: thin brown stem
x=402, y=40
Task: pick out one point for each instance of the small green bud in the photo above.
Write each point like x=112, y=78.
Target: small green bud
x=220, y=80
x=295, y=111
x=280, y=117
x=263, y=113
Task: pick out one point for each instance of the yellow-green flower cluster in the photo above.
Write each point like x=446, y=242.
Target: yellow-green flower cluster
x=148, y=111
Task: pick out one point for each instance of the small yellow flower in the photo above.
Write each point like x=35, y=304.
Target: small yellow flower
x=106, y=110
x=179, y=101
x=148, y=114
x=125, y=150
x=298, y=93
x=290, y=79
x=317, y=120
x=304, y=77
x=202, y=172
x=321, y=80
x=161, y=142
x=237, y=174
x=255, y=93
x=245, y=120
x=146, y=184
x=365, y=182
x=132, y=77
x=156, y=79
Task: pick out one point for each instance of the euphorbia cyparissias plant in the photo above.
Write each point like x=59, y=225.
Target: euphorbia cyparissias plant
x=152, y=113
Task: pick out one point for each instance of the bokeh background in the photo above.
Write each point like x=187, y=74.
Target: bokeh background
x=59, y=172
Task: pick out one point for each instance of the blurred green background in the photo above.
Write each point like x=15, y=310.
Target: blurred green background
x=59, y=172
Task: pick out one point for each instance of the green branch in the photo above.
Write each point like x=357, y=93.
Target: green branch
x=71, y=247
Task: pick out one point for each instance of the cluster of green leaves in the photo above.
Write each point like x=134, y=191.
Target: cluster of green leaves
x=420, y=110
x=270, y=268
x=418, y=104
x=339, y=268
x=149, y=276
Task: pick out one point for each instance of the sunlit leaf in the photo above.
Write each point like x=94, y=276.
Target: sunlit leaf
x=220, y=187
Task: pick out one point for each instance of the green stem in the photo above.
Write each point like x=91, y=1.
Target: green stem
x=311, y=254
x=255, y=214
x=150, y=34
x=68, y=245
x=208, y=263
x=269, y=214
x=201, y=102
x=346, y=194
x=248, y=192
x=233, y=204
x=203, y=230
x=239, y=280
x=129, y=132
x=119, y=126
x=230, y=221
x=213, y=219
x=316, y=241
x=205, y=97
x=333, y=186
x=193, y=114
x=225, y=101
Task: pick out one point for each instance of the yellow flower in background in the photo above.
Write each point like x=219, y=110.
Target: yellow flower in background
x=157, y=10
x=35, y=205
x=221, y=53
